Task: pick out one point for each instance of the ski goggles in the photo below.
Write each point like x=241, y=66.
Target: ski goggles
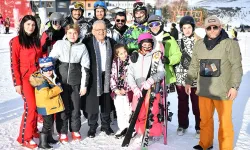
x=78, y=5
x=46, y=69
x=154, y=24
x=56, y=22
x=212, y=27
x=138, y=5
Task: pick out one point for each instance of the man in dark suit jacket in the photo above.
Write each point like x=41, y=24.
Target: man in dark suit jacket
x=100, y=52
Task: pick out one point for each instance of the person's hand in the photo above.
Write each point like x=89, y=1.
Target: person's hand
x=117, y=92
x=18, y=89
x=147, y=84
x=232, y=93
x=165, y=60
x=137, y=92
x=83, y=91
x=188, y=89
x=122, y=92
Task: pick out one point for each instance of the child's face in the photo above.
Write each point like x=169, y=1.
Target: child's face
x=122, y=53
x=48, y=73
x=146, y=48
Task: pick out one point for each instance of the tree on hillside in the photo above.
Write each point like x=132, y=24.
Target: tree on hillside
x=166, y=12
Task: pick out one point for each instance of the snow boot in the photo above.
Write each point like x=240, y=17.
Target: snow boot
x=43, y=143
x=108, y=131
x=198, y=147
x=50, y=139
x=181, y=131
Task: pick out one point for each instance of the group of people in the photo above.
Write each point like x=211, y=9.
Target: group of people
x=78, y=65
x=5, y=24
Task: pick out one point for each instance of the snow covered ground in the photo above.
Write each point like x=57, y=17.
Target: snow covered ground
x=11, y=108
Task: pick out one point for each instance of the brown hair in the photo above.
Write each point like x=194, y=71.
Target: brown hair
x=73, y=26
x=116, y=47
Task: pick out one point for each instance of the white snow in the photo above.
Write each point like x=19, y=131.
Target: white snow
x=11, y=108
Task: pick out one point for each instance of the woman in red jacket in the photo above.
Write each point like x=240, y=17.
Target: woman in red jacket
x=25, y=50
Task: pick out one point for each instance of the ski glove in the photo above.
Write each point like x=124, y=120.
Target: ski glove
x=165, y=60
x=137, y=92
x=147, y=84
x=134, y=56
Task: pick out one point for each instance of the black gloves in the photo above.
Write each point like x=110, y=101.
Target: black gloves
x=165, y=60
x=134, y=56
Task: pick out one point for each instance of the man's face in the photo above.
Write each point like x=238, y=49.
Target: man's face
x=120, y=21
x=76, y=13
x=140, y=15
x=99, y=12
x=72, y=35
x=99, y=31
x=213, y=31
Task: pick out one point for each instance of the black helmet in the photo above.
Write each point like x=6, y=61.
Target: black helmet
x=187, y=20
x=140, y=6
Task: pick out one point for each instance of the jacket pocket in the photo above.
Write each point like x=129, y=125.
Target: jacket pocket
x=25, y=73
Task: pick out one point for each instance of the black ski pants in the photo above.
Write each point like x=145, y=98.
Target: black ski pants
x=48, y=121
x=71, y=115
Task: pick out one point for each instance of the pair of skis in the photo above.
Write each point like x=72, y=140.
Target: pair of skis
x=149, y=120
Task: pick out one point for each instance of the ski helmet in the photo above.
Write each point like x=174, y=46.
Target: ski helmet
x=145, y=37
x=56, y=17
x=187, y=20
x=76, y=6
x=140, y=6
x=155, y=20
x=100, y=4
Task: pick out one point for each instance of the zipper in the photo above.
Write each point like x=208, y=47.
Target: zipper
x=69, y=63
x=25, y=73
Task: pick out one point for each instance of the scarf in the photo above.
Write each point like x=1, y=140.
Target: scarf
x=210, y=44
x=100, y=83
x=121, y=30
x=122, y=73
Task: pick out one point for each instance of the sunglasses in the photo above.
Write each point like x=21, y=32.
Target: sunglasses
x=154, y=24
x=212, y=27
x=120, y=20
x=46, y=69
x=55, y=22
x=78, y=5
x=138, y=5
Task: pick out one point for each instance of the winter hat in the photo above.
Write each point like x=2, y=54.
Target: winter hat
x=212, y=21
x=46, y=64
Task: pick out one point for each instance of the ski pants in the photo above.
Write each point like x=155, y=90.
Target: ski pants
x=48, y=121
x=71, y=115
x=123, y=111
x=183, y=107
x=157, y=127
x=29, y=118
x=226, y=132
x=93, y=119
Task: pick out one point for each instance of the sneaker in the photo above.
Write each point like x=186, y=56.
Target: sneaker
x=198, y=147
x=29, y=144
x=63, y=138
x=108, y=131
x=181, y=131
x=76, y=136
x=39, y=119
x=197, y=134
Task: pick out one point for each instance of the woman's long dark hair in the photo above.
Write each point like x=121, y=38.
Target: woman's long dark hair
x=29, y=40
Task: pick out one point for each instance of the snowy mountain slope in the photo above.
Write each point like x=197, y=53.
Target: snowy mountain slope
x=11, y=108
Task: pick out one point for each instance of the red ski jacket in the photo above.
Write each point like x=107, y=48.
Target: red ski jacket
x=24, y=61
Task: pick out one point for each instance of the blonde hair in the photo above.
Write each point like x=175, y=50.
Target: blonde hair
x=72, y=26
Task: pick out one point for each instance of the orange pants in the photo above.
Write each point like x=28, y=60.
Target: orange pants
x=226, y=133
